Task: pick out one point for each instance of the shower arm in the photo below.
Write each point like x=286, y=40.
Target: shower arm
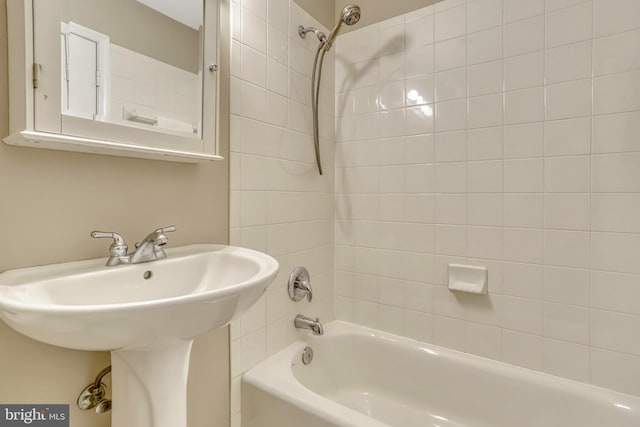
x=302, y=32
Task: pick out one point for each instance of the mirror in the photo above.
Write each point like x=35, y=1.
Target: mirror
x=126, y=77
x=133, y=62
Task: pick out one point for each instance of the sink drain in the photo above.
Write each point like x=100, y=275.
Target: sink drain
x=147, y=275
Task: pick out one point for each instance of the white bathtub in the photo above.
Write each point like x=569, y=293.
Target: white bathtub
x=363, y=377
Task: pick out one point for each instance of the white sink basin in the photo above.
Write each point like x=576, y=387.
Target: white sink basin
x=85, y=305
x=146, y=314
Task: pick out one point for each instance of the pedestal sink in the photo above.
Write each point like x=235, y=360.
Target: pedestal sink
x=146, y=315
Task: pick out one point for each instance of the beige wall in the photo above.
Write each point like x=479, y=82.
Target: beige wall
x=375, y=10
x=322, y=10
x=50, y=201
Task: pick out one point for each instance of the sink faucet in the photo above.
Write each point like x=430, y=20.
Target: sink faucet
x=150, y=249
x=304, y=322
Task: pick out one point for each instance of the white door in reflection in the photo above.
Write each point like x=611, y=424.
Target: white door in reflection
x=83, y=71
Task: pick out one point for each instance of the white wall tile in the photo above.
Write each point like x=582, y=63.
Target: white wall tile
x=566, y=248
x=470, y=128
x=483, y=14
x=451, y=177
x=450, y=23
x=451, y=146
x=524, y=106
x=419, y=31
x=391, y=319
x=484, y=78
x=522, y=141
x=484, y=340
x=616, y=133
x=566, y=359
x=569, y=62
x=523, y=280
x=614, y=16
x=451, y=84
x=616, y=212
x=524, y=71
x=569, y=25
x=524, y=210
x=524, y=36
x=615, y=173
x=485, y=176
x=567, y=100
x=522, y=349
x=566, y=211
x=617, y=53
x=451, y=54
x=484, y=46
x=552, y=5
x=570, y=174
x=615, y=331
x=451, y=115
x=440, y=6
x=450, y=209
x=449, y=332
x=392, y=32
x=523, y=176
x=419, y=120
x=484, y=242
x=418, y=61
x=567, y=137
x=277, y=77
x=418, y=326
x=523, y=245
x=484, y=209
x=254, y=31
x=567, y=285
x=419, y=90
x=485, y=111
x=615, y=370
x=515, y=10
x=615, y=252
x=484, y=144
x=450, y=240
x=567, y=323
x=615, y=292
x=616, y=93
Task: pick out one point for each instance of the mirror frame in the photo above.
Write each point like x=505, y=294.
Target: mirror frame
x=36, y=120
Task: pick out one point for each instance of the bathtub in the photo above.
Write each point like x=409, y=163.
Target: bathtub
x=364, y=377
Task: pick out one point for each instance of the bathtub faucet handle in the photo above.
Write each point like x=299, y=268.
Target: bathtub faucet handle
x=300, y=285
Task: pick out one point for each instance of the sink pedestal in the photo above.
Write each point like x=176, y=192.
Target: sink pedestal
x=150, y=386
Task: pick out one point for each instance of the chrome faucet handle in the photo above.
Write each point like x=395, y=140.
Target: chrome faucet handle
x=160, y=239
x=300, y=285
x=117, y=250
x=118, y=247
x=157, y=236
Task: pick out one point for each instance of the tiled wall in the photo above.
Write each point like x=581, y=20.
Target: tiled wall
x=279, y=203
x=152, y=87
x=501, y=133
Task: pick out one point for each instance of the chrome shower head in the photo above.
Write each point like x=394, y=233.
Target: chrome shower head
x=350, y=15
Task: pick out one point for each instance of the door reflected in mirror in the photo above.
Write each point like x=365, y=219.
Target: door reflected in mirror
x=136, y=63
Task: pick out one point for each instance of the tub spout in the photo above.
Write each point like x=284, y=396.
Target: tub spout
x=304, y=322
